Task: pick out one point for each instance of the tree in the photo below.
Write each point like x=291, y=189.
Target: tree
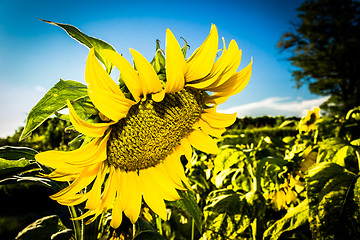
x=324, y=46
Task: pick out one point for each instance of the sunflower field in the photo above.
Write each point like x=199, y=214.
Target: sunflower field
x=264, y=178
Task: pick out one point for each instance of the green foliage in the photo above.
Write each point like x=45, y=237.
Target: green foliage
x=88, y=41
x=53, y=101
x=189, y=204
x=294, y=218
x=324, y=49
x=49, y=227
x=330, y=191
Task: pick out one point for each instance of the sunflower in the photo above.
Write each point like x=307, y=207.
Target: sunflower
x=135, y=150
x=308, y=122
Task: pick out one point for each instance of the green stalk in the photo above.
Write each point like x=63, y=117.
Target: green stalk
x=78, y=225
x=159, y=225
x=192, y=228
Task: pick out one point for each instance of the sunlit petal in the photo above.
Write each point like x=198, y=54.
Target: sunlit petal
x=235, y=84
x=218, y=120
x=91, y=130
x=201, y=61
x=151, y=194
x=133, y=195
x=128, y=73
x=97, y=77
x=202, y=142
x=149, y=80
x=111, y=105
x=176, y=65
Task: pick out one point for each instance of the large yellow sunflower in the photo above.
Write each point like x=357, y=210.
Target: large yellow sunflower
x=135, y=151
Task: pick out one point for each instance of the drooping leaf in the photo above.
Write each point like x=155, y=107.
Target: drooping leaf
x=44, y=229
x=188, y=203
x=333, y=212
x=16, y=160
x=296, y=217
x=9, y=168
x=16, y=153
x=144, y=231
x=88, y=41
x=54, y=100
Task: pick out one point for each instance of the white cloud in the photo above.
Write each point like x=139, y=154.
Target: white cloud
x=40, y=89
x=276, y=106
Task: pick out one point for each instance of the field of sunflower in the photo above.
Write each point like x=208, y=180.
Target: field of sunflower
x=151, y=158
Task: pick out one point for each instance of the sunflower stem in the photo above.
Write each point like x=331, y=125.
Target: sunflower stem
x=78, y=226
x=159, y=225
x=192, y=228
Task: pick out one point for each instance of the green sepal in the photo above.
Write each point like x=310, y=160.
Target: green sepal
x=158, y=62
x=88, y=41
x=185, y=47
x=53, y=101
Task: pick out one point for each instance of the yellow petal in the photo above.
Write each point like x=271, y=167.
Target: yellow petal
x=151, y=194
x=165, y=185
x=201, y=61
x=216, y=132
x=174, y=165
x=94, y=195
x=218, y=120
x=133, y=195
x=176, y=65
x=202, y=142
x=149, y=80
x=82, y=181
x=96, y=76
x=186, y=146
x=91, y=153
x=109, y=192
x=158, y=97
x=128, y=73
x=61, y=176
x=116, y=216
x=167, y=169
x=111, y=105
x=91, y=130
x=235, y=84
x=228, y=65
x=222, y=69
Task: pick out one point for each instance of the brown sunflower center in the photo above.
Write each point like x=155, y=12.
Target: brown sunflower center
x=152, y=130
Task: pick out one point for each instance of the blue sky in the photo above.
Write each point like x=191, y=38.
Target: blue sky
x=35, y=55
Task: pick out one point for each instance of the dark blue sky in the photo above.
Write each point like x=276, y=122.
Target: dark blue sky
x=35, y=55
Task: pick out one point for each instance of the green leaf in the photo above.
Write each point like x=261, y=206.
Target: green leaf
x=295, y=218
x=43, y=228
x=54, y=100
x=16, y=160
x=88, y=41
x=144, y=231
x=9, y=168
x=226, y=158
x=333, y=212
x=342, y=154
x=15, y=153
x=228, y=214
x=188, y=203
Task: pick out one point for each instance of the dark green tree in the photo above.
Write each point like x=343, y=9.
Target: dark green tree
x=325, y=49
